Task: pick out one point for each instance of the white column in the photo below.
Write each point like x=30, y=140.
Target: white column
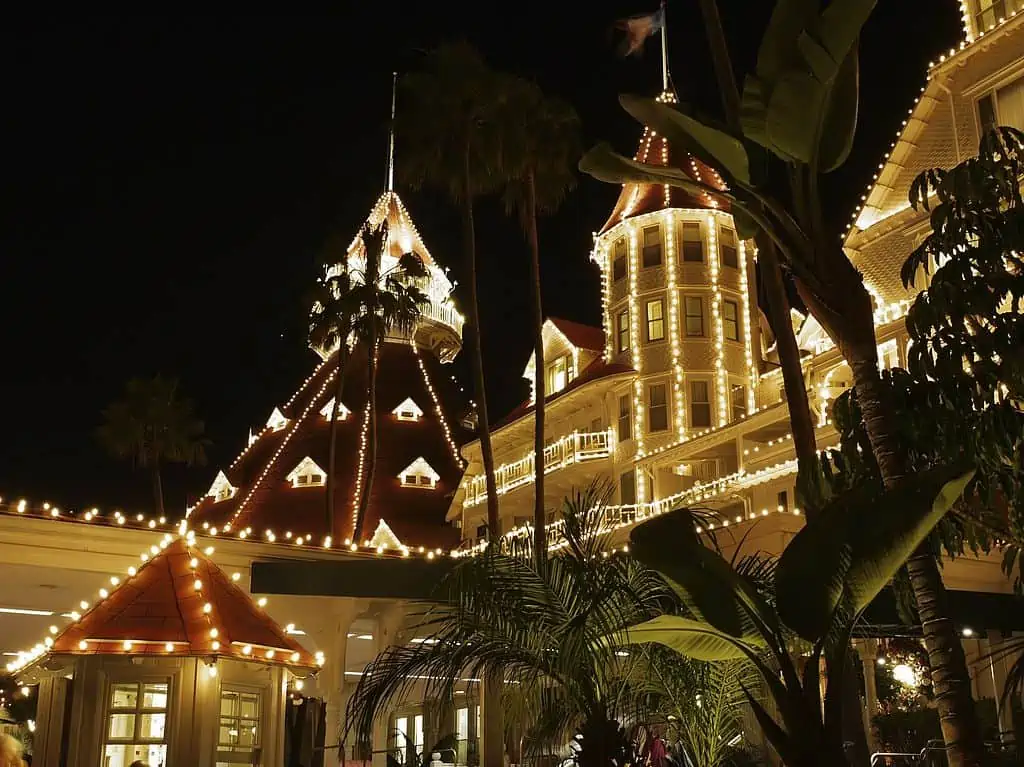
x=387, y=634
x=332, y=684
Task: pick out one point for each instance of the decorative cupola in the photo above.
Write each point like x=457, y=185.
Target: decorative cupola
x=175, y=664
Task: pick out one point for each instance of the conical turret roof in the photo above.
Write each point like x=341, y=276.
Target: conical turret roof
x=638, y=199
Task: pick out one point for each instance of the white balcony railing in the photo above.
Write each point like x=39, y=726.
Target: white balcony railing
x=576, y=447
x=443, y=314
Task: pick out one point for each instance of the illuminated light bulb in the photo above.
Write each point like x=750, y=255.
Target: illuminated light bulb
x=197, y=585
x=154, y=550
x=211, y=670
x=298, y=682
x=236, y=576
x=75, y=616
x=83, y=645
x=247, y=650
x=193, y=563
x=270, y=654
x=215, y=645
x=208, y=550
x=289, y=628
x=48, y=642
x=169, y=647
x=84, y=605
x=114, y=580
x=132, y=571
x=104, y=593
x=213, y=633
x=127, y=644
x=144, y=557
x=207, y=608
x=53, y=629
x=262, y=601
x=25, y=691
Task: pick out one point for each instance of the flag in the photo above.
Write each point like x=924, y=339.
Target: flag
x=638, y=29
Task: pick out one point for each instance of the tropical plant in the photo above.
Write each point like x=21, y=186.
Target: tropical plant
x=543, y=627
x=448, y=124
x=539, y=150
x=151, y=425
x=799, y=107
x=823, y=581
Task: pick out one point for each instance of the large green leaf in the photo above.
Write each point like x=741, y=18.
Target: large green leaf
x=708, y=585
x=605, y=164
x=778, y=45
x=795, y=110
x=841, y=116
x=713, y=147
x=847, y=554
x=825, y=44
x=694, y=639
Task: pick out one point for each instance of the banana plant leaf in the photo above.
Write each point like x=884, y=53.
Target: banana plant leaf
x=605, y=164
x=692, y=638
x=841, y=560
x=713, y=147
x=707, y=583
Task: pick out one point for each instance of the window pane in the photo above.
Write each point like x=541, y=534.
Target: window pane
x=151, y=726
x=1010, y=103
x=418, y=732
x=619, y=260
x=623, y=331
x=627, y=489
x=730, y=321
x=228, y=732
x=657, y=411
x=693, y=243
x=122, y=756
x=122, y=727
x=700, y=406
x=694, y=309
x=727, y=245
x=625, y=419
x=739, y=401
x=124, y=696
x=655, y=321
x=652, y=246
x=154, y=696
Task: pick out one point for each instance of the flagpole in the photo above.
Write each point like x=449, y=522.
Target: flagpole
x=664, y=48
x=391, y=137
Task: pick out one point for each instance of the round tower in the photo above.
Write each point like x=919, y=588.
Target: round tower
x=276, y=488
x=678, y=305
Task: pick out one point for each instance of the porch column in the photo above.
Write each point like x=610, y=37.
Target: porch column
x=387, y=634
x=51, y=715
x=342, y=613
x=867, y=649
x=492, y=720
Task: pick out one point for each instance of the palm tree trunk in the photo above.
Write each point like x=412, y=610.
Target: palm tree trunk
x=158, y=489
x=539, y=512
x=332, y=450
x=950, y=677
x=476, y=352
x=371, y=436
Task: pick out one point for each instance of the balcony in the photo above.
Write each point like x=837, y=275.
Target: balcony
x=573, y=448
x=443, y=314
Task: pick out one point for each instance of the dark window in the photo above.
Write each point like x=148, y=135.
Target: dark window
x=625, y=418
x=596, y=425
x=656, y=320
x=619, y=261
x=738, y=396
x=627, y=489
x=694, y=309
x=783, y=501
x=623, y=331
x=481, y=531
x=727, y=245
x=651, y=253
x=731, y=320
x=657, y=408
x=693, y=243
x=987, y=113
x=700, y=405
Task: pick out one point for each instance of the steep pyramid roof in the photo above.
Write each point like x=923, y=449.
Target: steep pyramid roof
x=637, y=199
x=179, y=603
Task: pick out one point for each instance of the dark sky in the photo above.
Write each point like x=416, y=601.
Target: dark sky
x=168, y=182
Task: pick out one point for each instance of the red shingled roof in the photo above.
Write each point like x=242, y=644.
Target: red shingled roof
x=637, y=199
x=160, y=604
x=416, y=515
x=581, y=336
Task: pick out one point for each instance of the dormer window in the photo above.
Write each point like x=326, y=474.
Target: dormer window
x=343, y=412
x=408, y=411
x=560, y=373
x=384, y=537
x=307, y=474
x=221, y=489
x=420, y=474
x=277, y=421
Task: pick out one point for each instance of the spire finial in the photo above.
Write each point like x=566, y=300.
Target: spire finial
x=391, y=134
x=664, y=48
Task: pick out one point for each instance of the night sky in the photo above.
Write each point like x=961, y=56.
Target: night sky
x=169, y=180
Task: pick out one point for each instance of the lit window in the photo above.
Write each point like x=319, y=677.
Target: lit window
x=1002, y=106
x=401, y=733
x=693, y=306
x=625, y=418
x=277, y=421
x=419, y=473
x=988, y=12
x=889, y=355
x=619, y=260
x=560, y=372
x=221, y=489
x=343, y=412
x=408, y=411
x=657, y=408
x=136, y=724
x=656, y=320
x=728, y=249
x=700, y=405
x=738, y=395
x=238, y=737
x=651, y=254
x=417, y=730
x=623, y=330
x=731, y=320
x=307, y=474
x=693, y=243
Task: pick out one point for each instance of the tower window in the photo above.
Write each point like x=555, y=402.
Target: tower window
x=623, y=330
x=656, y=320
x=1003, y=106
x=782, y=501
x=988, y=12
x=731, y=320
x=727, y=246
x=693, y=306
x=657, y=408
x=625, y=418
x=738, y=397
x=627, y=488
x=652, y=246
x=560, y=372
x=693, y=243
x=619, y=260
x=419, y=473
x=700, y=405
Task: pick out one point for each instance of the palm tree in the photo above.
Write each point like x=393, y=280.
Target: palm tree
x=544, y=627
x=448, y=120
x=150, y=426
x=540, y=148
x=800, y=108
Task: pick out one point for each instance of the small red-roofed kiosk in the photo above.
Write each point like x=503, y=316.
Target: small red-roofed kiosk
x=175, y=665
